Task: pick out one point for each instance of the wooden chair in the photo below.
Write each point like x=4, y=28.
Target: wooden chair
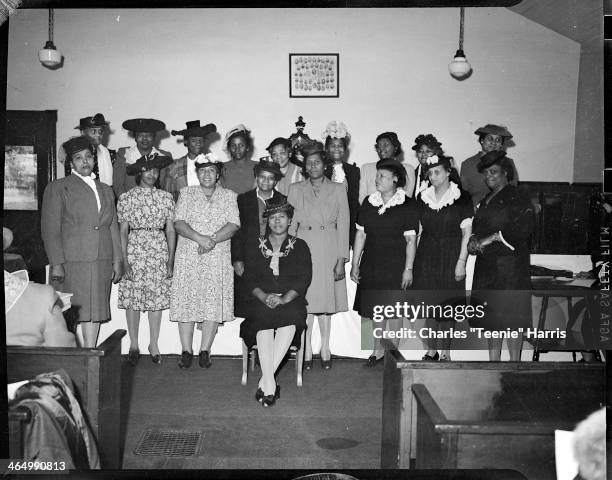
x=246, y=353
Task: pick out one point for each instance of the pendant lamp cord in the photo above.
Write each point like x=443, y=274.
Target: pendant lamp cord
x=461, y=20
x=51, y=25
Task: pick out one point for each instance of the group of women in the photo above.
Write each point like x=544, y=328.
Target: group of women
x=233, y=244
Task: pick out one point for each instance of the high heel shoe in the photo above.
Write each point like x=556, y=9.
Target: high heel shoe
x=326, y=364
x=133, y=356
x=186, y=359
x=308, y=364
x=269, y=400
x=204, y=359
x=156, y=359
x=431, y=358
x=372, y=361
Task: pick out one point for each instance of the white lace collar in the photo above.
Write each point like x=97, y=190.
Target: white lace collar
x=338, y=175
x=376, y=200
x=449, y=197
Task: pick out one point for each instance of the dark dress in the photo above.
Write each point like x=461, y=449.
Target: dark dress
x=384, y=252
x=250, y=213
x=440, y=243
x=500, y=269
x=295, y=273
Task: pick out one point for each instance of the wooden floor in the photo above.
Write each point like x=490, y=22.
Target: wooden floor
x=333, y=421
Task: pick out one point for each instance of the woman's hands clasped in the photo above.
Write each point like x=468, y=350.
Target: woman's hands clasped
x=205, y=244
x=273, y=300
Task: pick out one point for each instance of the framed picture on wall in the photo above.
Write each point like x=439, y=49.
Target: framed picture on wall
x=314, y=75
x=20, y=178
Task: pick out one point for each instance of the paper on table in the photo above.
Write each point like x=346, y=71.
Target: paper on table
x=566, y=464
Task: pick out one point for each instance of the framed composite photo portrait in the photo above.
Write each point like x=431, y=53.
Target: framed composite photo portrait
x=314, y=75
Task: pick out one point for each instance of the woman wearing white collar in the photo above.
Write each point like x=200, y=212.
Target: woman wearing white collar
x=386, y=236
x=445, y=214
x=81, y=237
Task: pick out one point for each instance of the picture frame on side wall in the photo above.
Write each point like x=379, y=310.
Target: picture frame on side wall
x=314, y=75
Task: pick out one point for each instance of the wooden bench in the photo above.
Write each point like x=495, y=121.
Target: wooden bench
x=460, y=388
x=96, y=375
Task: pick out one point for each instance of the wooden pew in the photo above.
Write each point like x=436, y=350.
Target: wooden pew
x=462, y=388
x=96, y=375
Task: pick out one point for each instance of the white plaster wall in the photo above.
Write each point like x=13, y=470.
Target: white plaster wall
x=229, y=66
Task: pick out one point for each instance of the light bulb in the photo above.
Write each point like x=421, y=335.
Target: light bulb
x=49, y=56
x=459, y=68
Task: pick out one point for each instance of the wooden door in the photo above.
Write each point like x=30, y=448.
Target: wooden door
x=29, y=165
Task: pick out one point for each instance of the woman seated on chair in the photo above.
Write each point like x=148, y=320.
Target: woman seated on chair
x=277, y=274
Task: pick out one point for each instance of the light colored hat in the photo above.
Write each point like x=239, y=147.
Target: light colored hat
x=336, y=129
x=14, y=285
x=240, y=128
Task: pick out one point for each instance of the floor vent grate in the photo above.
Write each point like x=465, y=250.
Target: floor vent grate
x=163, y=442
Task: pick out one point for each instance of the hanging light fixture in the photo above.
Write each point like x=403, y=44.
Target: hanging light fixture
x=50, y=56
x=460, y=68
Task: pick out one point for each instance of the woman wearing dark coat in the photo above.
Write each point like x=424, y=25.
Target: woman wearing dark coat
x=251, y=206
x=501, y=230
x=81, y=236
x=277, y=275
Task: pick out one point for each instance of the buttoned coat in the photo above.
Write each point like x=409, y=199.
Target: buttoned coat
x=322, y=221
x=84, y=240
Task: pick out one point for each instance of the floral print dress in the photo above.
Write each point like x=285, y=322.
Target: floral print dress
x=203, y=284
x=146, y=210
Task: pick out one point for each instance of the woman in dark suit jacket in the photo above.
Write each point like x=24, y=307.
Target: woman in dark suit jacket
x=251, y=206
x=81, y=237
x=337, y=139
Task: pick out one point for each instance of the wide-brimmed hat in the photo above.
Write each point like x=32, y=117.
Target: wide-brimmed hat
x=279, y=141
x=278, y=203
x=97, y=120
x=208, y=160
x=195, y=130
x=265, y=165
x=148, y=162
x=143, y=125
x=490, y=129
x=76, y=144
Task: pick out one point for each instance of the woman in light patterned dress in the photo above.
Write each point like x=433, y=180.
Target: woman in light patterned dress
x=144, y=212
x=205, y=217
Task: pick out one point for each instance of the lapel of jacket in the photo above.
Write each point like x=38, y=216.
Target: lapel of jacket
x=84, y=190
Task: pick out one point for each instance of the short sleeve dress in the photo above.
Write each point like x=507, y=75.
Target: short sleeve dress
x=294, y=273
x=203, y=285
x=384, y=252
x=146, y=210
x=440, y=242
